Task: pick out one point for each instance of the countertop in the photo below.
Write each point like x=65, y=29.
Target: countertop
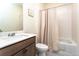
x=6, y=41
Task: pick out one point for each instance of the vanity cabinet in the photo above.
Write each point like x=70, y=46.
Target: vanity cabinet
x=23, y=48
x=28, y=51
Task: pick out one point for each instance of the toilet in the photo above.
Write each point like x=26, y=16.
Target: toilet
x=41, y=49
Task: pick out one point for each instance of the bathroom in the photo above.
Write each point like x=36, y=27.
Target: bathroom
x=53, y=26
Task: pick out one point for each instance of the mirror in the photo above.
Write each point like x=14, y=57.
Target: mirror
x=11, y=17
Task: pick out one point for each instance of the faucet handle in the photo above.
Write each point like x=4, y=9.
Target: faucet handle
x=9, y=34
x=12, y=34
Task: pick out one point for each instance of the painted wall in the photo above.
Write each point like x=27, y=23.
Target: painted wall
x=31, y=24
x=11, y=17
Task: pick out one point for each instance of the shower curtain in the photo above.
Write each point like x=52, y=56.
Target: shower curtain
x=48, y=29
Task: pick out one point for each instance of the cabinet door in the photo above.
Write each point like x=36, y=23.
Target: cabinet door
x=20, y=53
x=30, y=50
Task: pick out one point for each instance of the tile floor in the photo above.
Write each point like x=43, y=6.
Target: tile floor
x=60, y=53
x=67, y=51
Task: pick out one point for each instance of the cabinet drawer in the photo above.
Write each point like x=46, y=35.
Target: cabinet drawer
x=28, y=51
x=13, y=49
x=20, y=53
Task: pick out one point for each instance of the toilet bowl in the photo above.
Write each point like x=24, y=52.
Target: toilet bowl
x=41, y=49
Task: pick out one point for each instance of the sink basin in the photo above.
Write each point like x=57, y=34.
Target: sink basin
x=6, y=40
x=16, y=37
x=13, y=37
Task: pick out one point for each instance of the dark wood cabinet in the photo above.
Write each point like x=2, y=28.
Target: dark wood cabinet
x=22, y=48
x=28, y=51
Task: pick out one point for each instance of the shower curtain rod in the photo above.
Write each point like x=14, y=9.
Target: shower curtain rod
x=57, y=6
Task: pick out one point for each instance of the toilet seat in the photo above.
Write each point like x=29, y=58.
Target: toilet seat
x=40, y=45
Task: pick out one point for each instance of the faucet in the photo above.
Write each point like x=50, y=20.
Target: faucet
x=0, y=30
x=11, y=34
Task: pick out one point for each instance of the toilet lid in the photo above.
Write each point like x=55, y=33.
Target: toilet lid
x=40, y=45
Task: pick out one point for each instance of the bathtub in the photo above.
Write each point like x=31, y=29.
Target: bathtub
x=69, y=46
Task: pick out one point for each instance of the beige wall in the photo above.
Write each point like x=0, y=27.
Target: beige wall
x=30, y=24
x=11, y=17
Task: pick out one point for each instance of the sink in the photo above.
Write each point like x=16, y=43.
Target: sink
x=6, y=40
x=18, y=36
x=13, y=37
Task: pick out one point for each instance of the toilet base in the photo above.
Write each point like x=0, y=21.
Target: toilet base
x=41, y=54
x=41, y=49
